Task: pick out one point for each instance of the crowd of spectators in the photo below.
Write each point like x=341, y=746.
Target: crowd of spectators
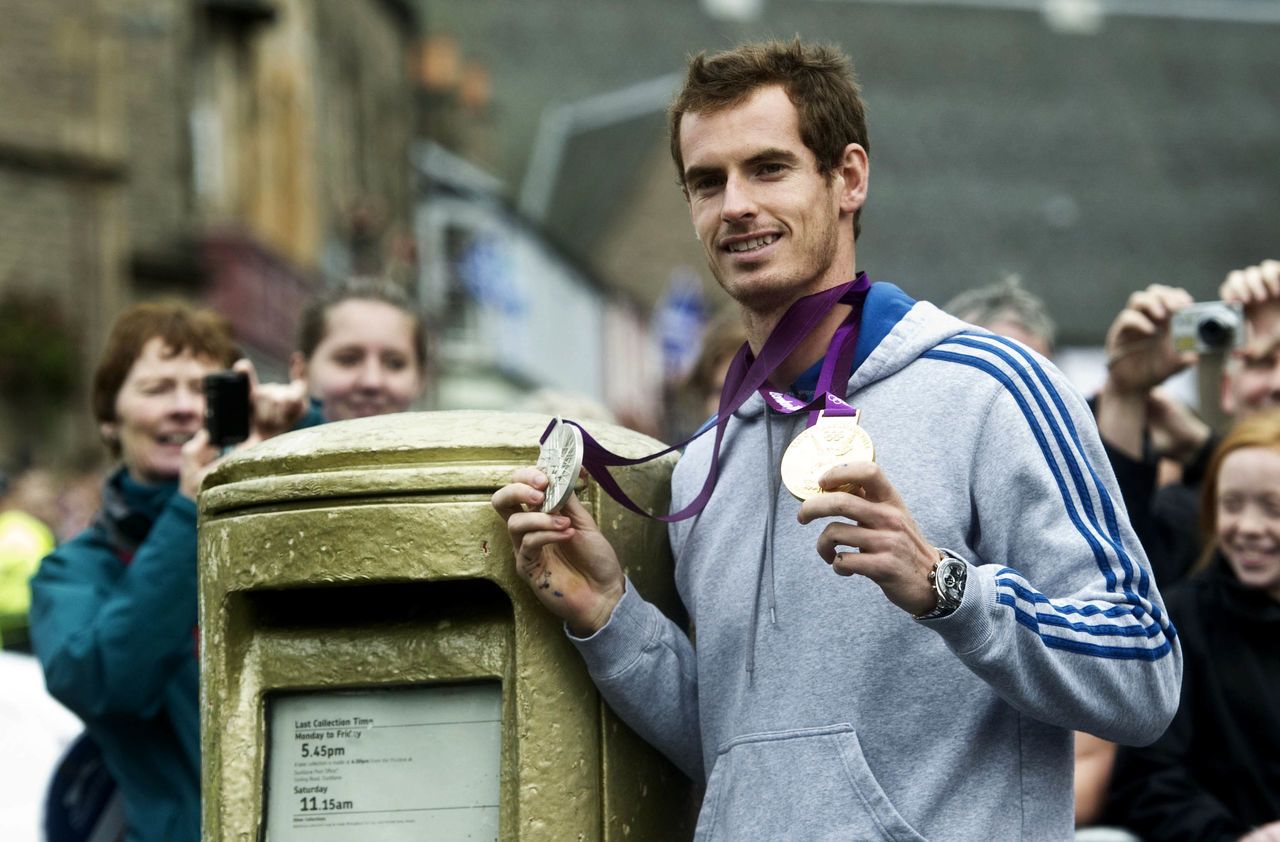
x=113, y=616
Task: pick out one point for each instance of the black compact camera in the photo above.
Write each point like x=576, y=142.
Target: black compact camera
x=226, y=407
x=1209, y=326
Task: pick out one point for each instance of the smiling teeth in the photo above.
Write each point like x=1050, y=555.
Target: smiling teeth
x=753, y=243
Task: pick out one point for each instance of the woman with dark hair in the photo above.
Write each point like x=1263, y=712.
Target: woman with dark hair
x=362, y=350
x=113, y=616
x=1215, y=774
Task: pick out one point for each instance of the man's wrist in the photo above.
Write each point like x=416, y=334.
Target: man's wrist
x=600, y=616
x=1122, y=419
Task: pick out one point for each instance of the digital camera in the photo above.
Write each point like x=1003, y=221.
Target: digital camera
x=1207, y=327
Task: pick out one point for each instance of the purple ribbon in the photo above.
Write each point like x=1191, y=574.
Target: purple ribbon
x=747, y=375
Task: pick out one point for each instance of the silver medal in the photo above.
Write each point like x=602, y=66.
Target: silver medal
x=561, y=460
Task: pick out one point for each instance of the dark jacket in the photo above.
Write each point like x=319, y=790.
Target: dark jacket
x=113, y=620
x=1216, y=772
x=1167, y=518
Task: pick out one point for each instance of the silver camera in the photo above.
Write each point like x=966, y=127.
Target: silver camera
x=1208, y=327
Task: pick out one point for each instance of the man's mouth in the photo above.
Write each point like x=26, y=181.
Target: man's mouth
x=751, y=243
x=178, y=439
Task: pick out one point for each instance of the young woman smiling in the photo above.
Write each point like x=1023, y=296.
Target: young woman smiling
x=362, y=350
x=1214, y=774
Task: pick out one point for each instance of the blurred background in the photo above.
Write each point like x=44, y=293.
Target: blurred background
x=508, y=163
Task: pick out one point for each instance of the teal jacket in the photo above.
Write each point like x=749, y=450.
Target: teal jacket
x=113, y=622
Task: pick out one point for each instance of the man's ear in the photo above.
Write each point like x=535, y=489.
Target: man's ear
x=297, y=366
x=110, y=432
x=852, y=174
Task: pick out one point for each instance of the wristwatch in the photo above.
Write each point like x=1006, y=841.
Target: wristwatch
x=948, y=578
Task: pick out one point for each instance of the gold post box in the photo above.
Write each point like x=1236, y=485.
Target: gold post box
x=374, y=669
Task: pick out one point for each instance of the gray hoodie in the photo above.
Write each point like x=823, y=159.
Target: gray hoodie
x=816, y=709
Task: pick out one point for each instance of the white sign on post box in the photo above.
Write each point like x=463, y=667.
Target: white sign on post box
x=395, y=765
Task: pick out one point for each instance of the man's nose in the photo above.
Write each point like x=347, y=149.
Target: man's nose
x=1273, y=378
x=739, y=199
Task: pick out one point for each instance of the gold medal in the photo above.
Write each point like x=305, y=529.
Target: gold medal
x=830, y=442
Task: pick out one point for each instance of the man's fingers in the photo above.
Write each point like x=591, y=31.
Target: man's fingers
x=511, y=499
x=850, y=506
x=1159, y=301
x=1252, y=284
x=866, y=476
x=1134, y=325
x=576, y=512
x=842, y=534
x=530, y=531
x=1271, y=276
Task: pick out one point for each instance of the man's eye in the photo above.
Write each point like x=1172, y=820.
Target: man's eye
x=772, y=168
x=1260, y=363
x=395, y=362
x=703, y=185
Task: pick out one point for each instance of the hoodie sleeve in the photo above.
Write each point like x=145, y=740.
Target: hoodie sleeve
x=1060, y=616
x=644, y=666
x=109, y=644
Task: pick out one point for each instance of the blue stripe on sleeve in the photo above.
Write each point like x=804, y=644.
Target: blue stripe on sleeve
x=1012, y=591
x=1112, y=532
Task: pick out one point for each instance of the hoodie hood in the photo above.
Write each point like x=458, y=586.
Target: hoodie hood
x=894, y=331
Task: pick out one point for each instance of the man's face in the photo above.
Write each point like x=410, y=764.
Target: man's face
x=1251, y=381
x=773, y=228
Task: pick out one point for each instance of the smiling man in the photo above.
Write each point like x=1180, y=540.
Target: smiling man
x=903, y=652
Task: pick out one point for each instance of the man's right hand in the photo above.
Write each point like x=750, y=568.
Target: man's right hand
x=1140, y=356
x=1139, y=353
x=571, y=567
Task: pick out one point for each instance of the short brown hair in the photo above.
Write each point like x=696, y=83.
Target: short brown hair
x=1261, y=429
x=315, y=318
x=181, y=326
x=818, y=79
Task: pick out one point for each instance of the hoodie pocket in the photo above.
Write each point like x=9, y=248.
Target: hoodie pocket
x=807, y=784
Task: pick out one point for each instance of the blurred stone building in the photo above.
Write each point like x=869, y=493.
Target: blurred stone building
x=231, y=151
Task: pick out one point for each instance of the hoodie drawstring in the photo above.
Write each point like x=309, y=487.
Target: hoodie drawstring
x=766, y=553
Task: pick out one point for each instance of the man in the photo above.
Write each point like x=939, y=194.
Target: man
x=1007, y=309
x=821, y=706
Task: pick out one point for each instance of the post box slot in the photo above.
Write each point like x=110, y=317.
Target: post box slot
x=346, y=605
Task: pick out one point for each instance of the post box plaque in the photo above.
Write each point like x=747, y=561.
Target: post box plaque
x=406, y=763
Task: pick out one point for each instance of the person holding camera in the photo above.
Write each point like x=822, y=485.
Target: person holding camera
x=1140, y=423
x=1213, y=775
x=113, y=613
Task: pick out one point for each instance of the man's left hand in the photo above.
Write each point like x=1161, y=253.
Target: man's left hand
x=891, y=551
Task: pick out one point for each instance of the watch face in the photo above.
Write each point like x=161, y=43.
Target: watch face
x=950, y=580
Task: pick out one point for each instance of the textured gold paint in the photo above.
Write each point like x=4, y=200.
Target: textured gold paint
x=402, y=502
